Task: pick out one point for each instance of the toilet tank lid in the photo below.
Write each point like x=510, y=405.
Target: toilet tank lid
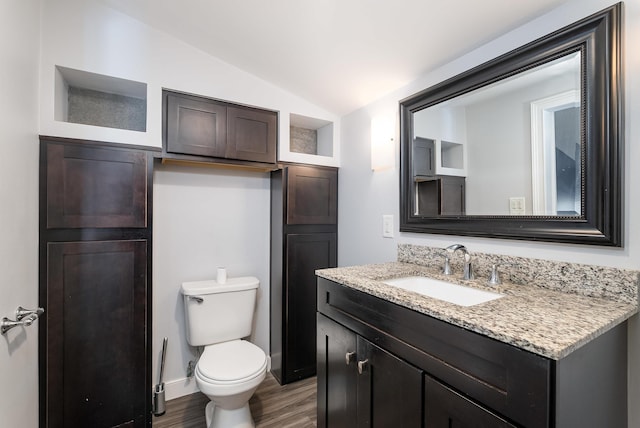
x=198, y=288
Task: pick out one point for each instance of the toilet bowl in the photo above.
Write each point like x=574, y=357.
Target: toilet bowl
x=229, y=373
x=230, y=369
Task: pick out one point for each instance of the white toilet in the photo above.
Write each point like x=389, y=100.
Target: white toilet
x=230, y=369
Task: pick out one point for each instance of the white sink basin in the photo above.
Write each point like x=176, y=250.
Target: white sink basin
x=442, y=290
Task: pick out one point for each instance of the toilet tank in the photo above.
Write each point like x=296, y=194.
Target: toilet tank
x=219, y=312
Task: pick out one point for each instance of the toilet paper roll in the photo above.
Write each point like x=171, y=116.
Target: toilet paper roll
x=222, y=275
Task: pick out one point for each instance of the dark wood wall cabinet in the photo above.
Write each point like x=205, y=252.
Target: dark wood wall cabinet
x=381, y=365
x=95, y=274
x=205, y=129
x=303, y=239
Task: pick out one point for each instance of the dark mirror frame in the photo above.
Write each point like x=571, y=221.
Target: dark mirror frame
x=599, y=40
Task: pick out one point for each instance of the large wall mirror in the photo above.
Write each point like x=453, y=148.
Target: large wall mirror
x=526, y=146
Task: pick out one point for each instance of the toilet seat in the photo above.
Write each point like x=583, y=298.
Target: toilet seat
x=230, y=363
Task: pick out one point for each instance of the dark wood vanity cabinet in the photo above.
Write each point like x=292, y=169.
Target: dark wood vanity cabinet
x=303, y=239
x=95, y=273
x=369, y=387
x=199, y=126
x=424, y=372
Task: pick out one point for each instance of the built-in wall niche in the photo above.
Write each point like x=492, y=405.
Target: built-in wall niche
x=432, y=157
x=451, y=155
x=100, y=100
x=310, y=136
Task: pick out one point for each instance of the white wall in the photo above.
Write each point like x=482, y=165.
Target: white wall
x=19, y=50
x=203, y=218
x=499, y=149
x=366, y=195
x=88, y=36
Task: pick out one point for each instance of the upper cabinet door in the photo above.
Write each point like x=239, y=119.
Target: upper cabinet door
x=251, y=134
x=195, y=126
x=312, y=195
x=89, y=187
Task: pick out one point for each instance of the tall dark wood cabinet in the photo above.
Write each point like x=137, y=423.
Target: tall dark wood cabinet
x=303, y=238
x=95, y=284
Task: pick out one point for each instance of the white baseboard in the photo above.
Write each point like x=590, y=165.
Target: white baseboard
x=185, y=386
x=180, y=387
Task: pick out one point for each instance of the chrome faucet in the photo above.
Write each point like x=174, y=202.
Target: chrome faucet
x=468, y=270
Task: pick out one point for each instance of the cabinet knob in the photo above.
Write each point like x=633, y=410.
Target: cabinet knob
x=363, y=366
x=349, y=357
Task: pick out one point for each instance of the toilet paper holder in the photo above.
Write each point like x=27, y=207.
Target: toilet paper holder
x=24, y=317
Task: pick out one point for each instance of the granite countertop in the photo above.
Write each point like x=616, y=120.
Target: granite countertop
x=546, y=322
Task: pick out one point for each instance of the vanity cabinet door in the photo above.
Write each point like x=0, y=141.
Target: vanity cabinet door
x=361, y=385
x=445, y=408
x=337, y=374
x=389, y=389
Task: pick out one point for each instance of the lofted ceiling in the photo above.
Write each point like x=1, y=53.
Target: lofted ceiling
x=337, y=54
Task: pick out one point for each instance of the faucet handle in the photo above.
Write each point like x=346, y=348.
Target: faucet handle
x=468, y=268
x=494, y=279
x=447, y=266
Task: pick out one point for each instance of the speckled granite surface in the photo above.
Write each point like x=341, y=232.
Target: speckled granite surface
x=585, y=280
x=547, y=322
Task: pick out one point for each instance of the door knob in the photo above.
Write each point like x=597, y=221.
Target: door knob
x=349, y=357
x=363, y=366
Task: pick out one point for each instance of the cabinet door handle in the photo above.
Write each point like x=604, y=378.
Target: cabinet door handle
x=363, y=366
x=349, y=357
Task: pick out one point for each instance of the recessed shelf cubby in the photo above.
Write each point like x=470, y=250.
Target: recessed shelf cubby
x=95, y=99
x=451, y=155
x=431, y=157
x=310, y=136
x=311, y=141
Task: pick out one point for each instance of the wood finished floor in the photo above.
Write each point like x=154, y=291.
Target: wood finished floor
x=272, y=406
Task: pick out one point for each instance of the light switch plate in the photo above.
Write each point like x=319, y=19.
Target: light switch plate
x=387, y=226
x=516, y=206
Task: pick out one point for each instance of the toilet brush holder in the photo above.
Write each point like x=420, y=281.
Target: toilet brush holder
x=158, y=392
x=158, y=400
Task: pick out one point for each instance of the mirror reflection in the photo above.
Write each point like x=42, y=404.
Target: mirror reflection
x=511, y=148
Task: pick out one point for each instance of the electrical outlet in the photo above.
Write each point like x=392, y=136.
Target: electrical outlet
x=387, y=226
x=516, y=205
